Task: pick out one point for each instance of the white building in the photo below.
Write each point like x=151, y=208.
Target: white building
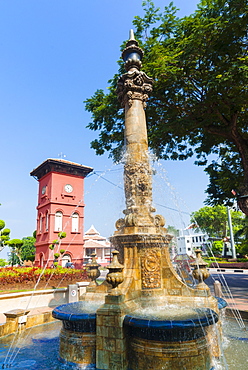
x=189, y=240
x=95, y=243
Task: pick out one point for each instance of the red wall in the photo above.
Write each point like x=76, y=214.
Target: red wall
x=57, y=199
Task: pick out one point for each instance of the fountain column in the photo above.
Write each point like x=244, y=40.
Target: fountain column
x=133, y=89
x=124, y=335
x=141, y=237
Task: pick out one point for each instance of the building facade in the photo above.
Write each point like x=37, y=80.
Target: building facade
x=95, y=243
x=60, y=209
x=189, y=240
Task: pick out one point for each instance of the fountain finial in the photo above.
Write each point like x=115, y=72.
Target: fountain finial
x=132, y=54
x=131, y=35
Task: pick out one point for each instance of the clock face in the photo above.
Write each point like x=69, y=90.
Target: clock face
x=43, y=190
x=68, y=188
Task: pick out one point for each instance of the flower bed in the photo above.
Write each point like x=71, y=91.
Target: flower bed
x=27, y=277
x=230, y=265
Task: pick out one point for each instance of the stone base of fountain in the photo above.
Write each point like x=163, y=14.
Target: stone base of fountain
x=137, y=335
x=146, y=355
x=178, y=343
x=186, y=340
x=77, y=349
x=78, y=336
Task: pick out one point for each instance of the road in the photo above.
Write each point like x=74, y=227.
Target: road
x=236, y=281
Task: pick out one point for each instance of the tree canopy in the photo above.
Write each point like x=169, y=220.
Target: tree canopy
x=198, y=106
x=213, y=220
x=16, y=249
x=28, y=248
x=4, y=235
x=22, y=249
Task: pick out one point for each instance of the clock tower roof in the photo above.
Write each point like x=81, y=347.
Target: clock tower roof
x=60, y=166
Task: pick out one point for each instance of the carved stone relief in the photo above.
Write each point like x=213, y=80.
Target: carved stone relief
x=151, y=268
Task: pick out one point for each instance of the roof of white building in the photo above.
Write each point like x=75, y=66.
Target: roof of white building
x=93, y=239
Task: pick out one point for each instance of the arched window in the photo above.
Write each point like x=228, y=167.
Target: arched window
x=58, y=221
x=40, y=224
x=47, y=219
x=75, y=222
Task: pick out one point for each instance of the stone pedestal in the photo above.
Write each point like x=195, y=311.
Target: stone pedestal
x=151, y=355
x=78, y=348
x=16, y=318
x=111, y=341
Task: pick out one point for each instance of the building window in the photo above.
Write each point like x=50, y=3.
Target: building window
x=40, y=224
x=75, y=223
x=200, y=238
x=189, y=249
x=47, y=223
x=196, y=239
x=89, y=251
x=58, y=221
x=193, y=239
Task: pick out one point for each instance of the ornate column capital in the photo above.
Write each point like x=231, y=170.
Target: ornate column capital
x=134, y=84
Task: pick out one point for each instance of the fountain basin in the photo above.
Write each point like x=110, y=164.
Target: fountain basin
x=178, y=330
x=175, y=339
x=221, y=303
x=77, y=339
x=77, y=316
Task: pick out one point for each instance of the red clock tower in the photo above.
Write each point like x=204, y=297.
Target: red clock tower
x=60, y=208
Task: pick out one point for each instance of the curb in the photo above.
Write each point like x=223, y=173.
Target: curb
x=243, y=313
x=245, y=271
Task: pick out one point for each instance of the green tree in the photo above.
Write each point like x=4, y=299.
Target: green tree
x=217, y=247
x=4, y=234
x=213, y=220
x=172, y=230
x=241, y=237
x=199, y=64
x=22, y=250
x=55, y=243
x=16, y=251
x=3, y=262
x=28, y=248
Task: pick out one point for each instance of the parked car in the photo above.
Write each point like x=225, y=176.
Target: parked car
x=69, y=265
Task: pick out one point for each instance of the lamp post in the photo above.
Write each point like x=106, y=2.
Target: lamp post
x=231, y=232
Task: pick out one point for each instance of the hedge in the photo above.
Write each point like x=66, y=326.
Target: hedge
x=230, y=265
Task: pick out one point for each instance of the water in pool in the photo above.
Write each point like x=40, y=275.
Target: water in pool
x=38, y=348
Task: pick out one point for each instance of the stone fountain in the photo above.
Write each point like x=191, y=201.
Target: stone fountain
x=143, y=316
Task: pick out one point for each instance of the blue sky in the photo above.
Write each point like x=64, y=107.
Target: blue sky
x=54, y=55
